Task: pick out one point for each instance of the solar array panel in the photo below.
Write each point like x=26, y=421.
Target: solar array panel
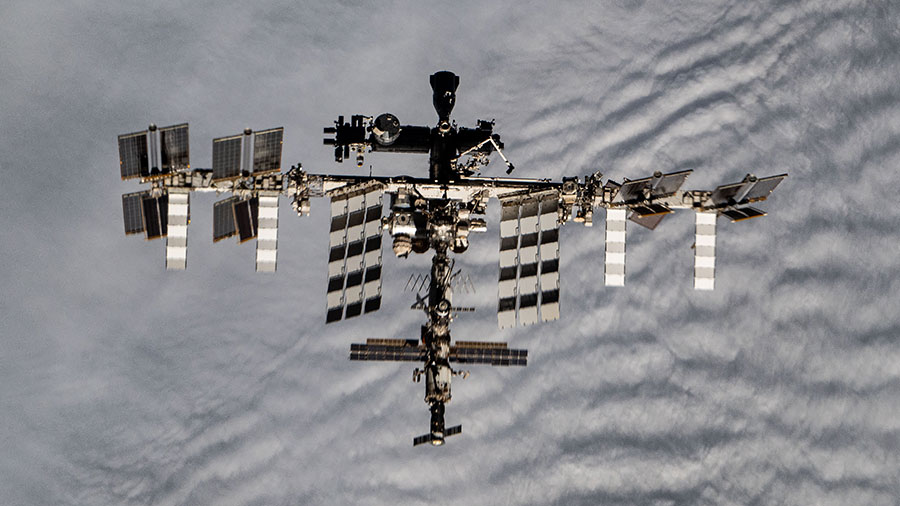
x=723, y=194
x=354, y=260
x=426, y=438
x=484, y=355
x=387, y=352
x=133, y=213
x=226, y=159
x=743, y=213
x=529, y=259
x=178, y=217
x=174, y=148
x=267, y=151
x=705, y=251
x=651, y=187
x=246, y=218
x=155, y=211
x=223, y=219
x=133, y=155
x=764, y=187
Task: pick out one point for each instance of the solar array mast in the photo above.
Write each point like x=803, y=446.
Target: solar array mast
x=435, y=213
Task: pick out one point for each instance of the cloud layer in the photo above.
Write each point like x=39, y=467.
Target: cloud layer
x=124, y=384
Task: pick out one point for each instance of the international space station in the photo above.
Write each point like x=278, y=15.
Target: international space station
x=433, y=214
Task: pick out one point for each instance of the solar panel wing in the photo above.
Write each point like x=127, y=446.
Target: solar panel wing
x=267, y=150
x=426, y=438
x=133, y=212
x=246, y=218
x=744, y=213
x=649, y=221
x=456, y=429
x=487, y=345
x=633, y=190
x=726, y=192
x=155, y=210
x=226, y=162
x=549, y=257
x=669, y=184
x=509, y=262
x=337, y=272
x=174, y=148
x=369, y=352
x=764, y=187
x=223, y=219
x=133, y=155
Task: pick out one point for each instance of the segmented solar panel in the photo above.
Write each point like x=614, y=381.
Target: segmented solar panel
x=178, y=216
x=173, y=144
x=369, y=352
x=726, y=192
x=529, y=259
x=421, y=439
x=764, y=187
x=744, y=213
x=246, y=218
x=453, y=430
x=226, y=160
x=267, y=150
x=354, y=260
x=223, y=219
x=133, y=155
x=669, y=184
x=492, y=356
x=131, y=210
x=155, y=210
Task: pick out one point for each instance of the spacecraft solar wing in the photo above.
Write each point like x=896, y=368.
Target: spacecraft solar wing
x=337, y=243
x=134, y=158
x=726, y=192
x=425, y=438
x=669, y=184
x=632, y=191
x=372, y=250
x=354, y=263
x=549, y=257
x=246, y=218
x=267, y=147
x=223, y=219
x=743, y=213
x=178, y=217
x=493, y=356
x=155, y=211
x=133, y=213
x=764, y=187
x=649, y=215
x=387, y=353
x=226, y=157
x=528, y=262
x=174, y=148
